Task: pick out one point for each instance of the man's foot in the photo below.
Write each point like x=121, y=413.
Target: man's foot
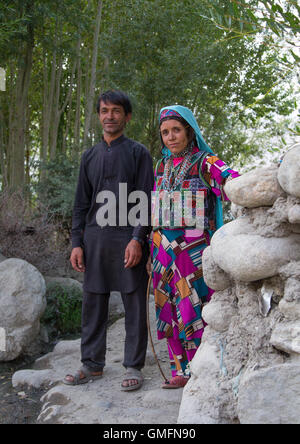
x=82, y=376
x=129, y=382
x=132, y=380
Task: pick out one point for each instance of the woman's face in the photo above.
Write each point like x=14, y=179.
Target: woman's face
x=174, y=135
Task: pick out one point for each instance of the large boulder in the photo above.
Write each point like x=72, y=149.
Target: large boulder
x=265, y=395
x=246, y=256
x=202, y=394
x=214, y=277
x=286, y=337
x=289, y=171
x=256, y=188
x=63, y=282
x=22, y=303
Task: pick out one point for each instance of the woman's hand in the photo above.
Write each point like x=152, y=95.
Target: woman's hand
x=133, y=254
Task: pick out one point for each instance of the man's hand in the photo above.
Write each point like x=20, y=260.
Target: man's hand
x=76, y=259
x=133, y=254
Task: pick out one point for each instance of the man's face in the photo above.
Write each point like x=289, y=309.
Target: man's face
x=112, y=118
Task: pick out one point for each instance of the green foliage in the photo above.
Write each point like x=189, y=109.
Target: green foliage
x=251, y=16
x=232, y=62
x=63, y=313
x=57, y=186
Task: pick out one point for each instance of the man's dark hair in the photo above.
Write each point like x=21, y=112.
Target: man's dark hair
x=117, y=98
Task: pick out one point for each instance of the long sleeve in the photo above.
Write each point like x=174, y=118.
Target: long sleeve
x=82, y=205
x=216, y=172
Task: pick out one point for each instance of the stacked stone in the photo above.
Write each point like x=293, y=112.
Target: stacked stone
x=247, y=369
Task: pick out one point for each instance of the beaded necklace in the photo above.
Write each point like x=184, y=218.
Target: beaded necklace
x=172, y=179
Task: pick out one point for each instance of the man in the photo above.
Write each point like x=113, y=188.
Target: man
x=113, y=256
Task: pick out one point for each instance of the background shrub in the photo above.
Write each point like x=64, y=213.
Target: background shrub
x=31, y=233
x=63, y=313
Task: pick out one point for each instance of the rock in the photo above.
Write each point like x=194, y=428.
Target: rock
x=166, y=397
x=292, y=269
x=271, y=222
x=237, y=210
x=286, y=337
x=32, y=378
x=295, y=228
x=290, y=310
x=201, y=395
x=22, y=303
x=218, y=313
x=270, y=396
x=289, y=171
x=294, y=214
x=2, y=258
x=257, y=188
x=64, y=282
x=213, y=275
x=246, y=369
x=115, y=300
x=248, y=257
x=292, y=289
x=102, y=401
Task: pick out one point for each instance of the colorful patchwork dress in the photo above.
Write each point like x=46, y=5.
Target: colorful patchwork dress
x=179, y=287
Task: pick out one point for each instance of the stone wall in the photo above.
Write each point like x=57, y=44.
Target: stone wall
x=247, y=369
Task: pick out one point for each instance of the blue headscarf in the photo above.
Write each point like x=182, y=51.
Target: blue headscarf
x=189, y=117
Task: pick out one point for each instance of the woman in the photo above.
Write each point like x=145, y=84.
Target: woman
x=188, y=164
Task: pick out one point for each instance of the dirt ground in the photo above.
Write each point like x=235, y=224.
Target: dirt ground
x=17, y=406
x=23, y=406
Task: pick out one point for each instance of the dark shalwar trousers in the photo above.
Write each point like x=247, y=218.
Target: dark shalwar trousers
x=95, y=309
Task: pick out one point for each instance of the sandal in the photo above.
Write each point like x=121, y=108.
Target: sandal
x=88, y=375
x=175, y=382
x=132, y=373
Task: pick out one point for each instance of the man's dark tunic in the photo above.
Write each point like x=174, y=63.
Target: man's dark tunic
x=104, y=167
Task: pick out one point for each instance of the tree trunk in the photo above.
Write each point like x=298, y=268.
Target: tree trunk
x=78, y=100
x=27, y=147
x=48, y=104
x=19, y=120
x=11, y=101
x=78, y=107
x=57, y=112
x=91, y=92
